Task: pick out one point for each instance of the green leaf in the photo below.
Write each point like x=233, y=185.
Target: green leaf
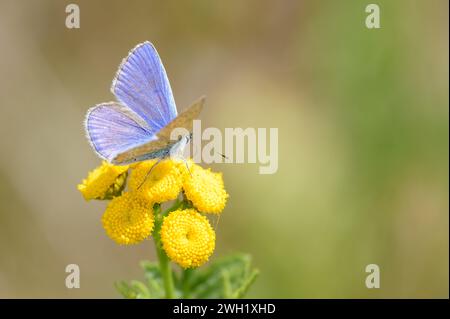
x=228, y=277
x=125, y=290
x=141, y=290
x=245, y=285
x=153, y=276
x=226, y=284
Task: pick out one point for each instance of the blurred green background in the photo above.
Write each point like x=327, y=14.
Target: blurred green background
x=363, y=139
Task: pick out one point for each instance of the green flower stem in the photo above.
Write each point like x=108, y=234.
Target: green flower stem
x=166, y=272
x=164, y=262
x=176, y=205
x=186, y=282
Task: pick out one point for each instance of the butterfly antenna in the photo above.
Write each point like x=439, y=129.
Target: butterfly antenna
x=223, y=156
x=149, y=172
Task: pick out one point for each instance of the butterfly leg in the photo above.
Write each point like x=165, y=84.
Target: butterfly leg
x=149, y=172
x=187, y=166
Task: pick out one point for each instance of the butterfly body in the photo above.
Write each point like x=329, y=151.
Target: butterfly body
x=161, y=153
x=138, y=126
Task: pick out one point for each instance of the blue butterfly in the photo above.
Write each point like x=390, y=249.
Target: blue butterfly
x=138, y=126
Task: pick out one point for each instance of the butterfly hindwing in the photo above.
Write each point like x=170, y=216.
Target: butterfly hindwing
x=141, y=83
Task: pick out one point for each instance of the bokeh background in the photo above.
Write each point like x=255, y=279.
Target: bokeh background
x=363, y=139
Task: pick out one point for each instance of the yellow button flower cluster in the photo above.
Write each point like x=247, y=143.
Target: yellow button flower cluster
x=102, y=180
x=205, y=190
x=186, y=235
x=128, y=219
x=163, y=184
x=188, y=238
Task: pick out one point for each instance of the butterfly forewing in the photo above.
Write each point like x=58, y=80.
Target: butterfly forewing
x=141, y=83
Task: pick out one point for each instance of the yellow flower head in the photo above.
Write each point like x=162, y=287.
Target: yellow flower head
x=205, y=189
x=163, y=184
x=188, y=238
x=103, y=182
x=128, y=219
